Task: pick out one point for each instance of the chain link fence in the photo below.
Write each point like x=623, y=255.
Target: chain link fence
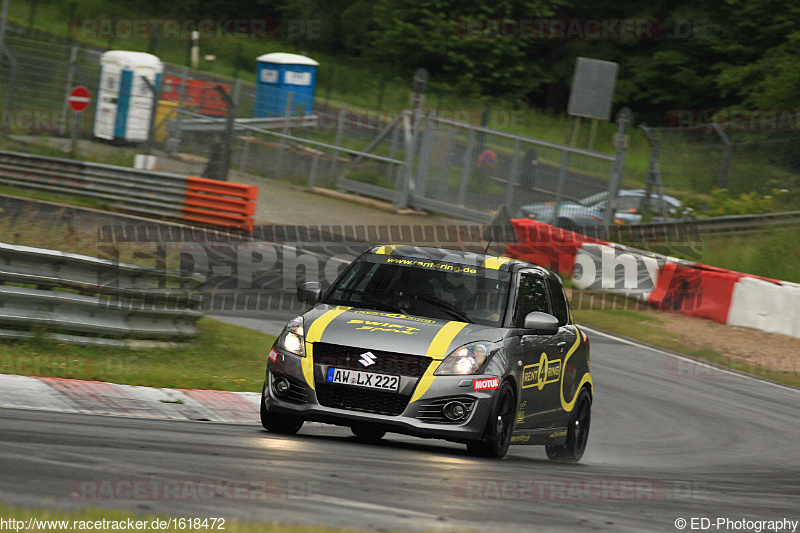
x=411, y=158
x=701, y=159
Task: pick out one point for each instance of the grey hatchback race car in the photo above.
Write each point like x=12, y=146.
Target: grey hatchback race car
x=436, y=343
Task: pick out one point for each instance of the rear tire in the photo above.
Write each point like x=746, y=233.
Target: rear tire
x=366, y=433
x=275, y=423
x=577, y=432
x=499, y=426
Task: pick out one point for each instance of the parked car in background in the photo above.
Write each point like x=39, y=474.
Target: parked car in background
x=589, y=212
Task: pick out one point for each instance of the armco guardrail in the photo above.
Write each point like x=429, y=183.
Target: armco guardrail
x=740, y=224
x=80, y=299
x=218, y=203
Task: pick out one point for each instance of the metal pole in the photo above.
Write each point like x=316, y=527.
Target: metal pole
x=726, y=155
x=466, y=167
x=155, y=91
x=312, y=175
x=287, y=116
x=73, y=59
x=340, y=119
x=12, y=81
x=393, y=148
x=513, y=179
x=3, y=17
x=624, y=119
x=73, y=145
x=562, y=177
x=228, y=139
x=174, y=142
x=652, y=168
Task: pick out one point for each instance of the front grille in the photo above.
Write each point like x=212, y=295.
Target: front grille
x=432, y=411
x=297, y=391
x=385, y=362
x=367, y=401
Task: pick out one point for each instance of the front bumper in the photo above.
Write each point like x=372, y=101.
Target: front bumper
x=347, y=405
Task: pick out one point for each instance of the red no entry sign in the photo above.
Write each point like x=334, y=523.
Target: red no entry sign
x=79, y=98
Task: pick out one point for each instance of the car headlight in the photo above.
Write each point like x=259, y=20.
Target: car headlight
x=293, y=337
x=468, y=359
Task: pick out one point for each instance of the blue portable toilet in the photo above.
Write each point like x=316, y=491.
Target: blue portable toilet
x=277, y=75
x=123, y=100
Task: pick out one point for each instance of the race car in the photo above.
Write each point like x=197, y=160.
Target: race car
x=438, y=343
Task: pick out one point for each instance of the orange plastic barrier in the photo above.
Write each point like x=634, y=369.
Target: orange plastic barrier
x=220, y=203
x=200, y=95
x=546, y=245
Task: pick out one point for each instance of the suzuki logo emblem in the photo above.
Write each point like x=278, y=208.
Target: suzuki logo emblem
x=367, y=359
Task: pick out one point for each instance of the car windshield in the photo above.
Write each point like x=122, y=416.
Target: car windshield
x=431, y=289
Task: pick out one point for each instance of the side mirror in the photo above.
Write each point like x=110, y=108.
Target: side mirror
x=541, y=323
x=309, y=292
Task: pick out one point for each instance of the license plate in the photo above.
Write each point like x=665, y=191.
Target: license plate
x=363, y=379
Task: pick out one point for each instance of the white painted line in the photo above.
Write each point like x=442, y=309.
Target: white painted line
x=687, y=358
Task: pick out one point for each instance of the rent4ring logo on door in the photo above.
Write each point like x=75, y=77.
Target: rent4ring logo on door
x=542, y=373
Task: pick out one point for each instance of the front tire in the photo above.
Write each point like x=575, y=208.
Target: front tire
x=275, y=423
x=577, y=432
x=499, y=426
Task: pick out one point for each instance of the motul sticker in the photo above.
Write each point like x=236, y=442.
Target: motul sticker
x=486, y=384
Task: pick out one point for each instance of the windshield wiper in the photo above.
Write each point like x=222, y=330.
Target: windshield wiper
x=371, y=299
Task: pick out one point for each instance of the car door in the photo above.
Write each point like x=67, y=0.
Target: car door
x=563, y=342
x=540, y=355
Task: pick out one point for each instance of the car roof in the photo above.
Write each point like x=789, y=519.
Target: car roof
x=459, y=257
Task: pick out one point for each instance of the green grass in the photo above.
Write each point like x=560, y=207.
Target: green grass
x=770, y=254
x=221, y=357
x=96, y=514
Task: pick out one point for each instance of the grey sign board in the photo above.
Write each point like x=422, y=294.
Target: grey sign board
x=592, y=88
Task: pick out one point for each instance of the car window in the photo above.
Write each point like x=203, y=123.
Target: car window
x=625, y=203
x=559, y=301
x=416, y=287
x=532, y=297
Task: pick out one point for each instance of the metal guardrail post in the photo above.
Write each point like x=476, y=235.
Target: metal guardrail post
x=513, y=181
x=287, y=116
x=155, y=92
x=73, y=59
x=174, y=141
x=312, y=175
x=12, y=81
x=624, y=119
x=341, y=116
x=228, y=141
x=726, y=155
x=562, y=177
x=466, y=168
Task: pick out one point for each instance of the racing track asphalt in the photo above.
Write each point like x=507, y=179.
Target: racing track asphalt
x=670, y=439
